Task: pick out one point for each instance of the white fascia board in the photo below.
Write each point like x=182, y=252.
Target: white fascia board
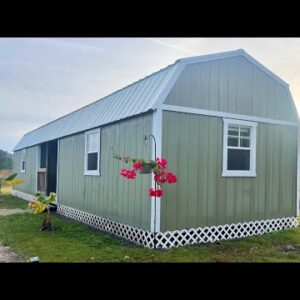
x=293, y=105
x=209, y=57
x=167, y=88
x=263, y=68
x=212, y=113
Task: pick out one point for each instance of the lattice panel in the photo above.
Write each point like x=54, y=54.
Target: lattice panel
x=199, y=235
x=178, y=238
x=133, y=234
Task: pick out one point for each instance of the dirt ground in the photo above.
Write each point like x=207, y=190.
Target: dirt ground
x=6, y=211
x=6, y=255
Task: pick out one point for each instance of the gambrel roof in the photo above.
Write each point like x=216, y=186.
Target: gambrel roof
x=139, y=97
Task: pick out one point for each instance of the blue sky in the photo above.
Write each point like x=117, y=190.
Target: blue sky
x=42, y=79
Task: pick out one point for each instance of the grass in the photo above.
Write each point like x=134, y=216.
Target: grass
x=9, y=201
x=75, y=242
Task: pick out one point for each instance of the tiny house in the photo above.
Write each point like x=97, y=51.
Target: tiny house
x=228, y=127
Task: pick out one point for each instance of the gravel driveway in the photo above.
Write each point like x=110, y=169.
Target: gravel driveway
x=6, y=255
x=6, y=211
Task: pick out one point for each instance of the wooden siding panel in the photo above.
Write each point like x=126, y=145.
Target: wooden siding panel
x=261, y=170
x=221, y=181
x=30, y=177
x=193, y=146
x=223, y=86
x=269, y=171
x=214, y=86
x=240, y=88
x=108, y=195
x=193, y=172
x=204, y=70
x=231, y=85
x=203, y=170
x=170, y=150
x=212, y=171
x=183, y=148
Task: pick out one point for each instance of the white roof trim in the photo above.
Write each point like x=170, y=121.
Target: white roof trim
x=164, y=93
x=293, y=105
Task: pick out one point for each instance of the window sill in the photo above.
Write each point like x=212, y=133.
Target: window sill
x=22, y=171
x=91, y=173
x=238, y=174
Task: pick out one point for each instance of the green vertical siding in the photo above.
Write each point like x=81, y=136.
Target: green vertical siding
x=108, y=195
x=231, y=85
x=193, y=145
x=30, y=176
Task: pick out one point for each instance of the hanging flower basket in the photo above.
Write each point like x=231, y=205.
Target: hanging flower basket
x=146, y=168
x=157, y=167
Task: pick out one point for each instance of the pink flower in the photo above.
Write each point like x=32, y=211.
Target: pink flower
x=137, y=165
x=165, y=177
x=161, y=163
x=152, y=192
x=160, y=176
x=171, y=178
x=124, y=172
x=158, y=193
x=131, y=174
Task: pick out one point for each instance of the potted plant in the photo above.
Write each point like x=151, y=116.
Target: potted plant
x=157, y=167
x=46, y=205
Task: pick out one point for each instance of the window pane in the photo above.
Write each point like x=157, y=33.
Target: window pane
x=238, y=159
x=23, y=165
x=92, y=161
x=92, y=142
x=233, y=130
x=24, y=154
x=245, y=131
x=245, y=143
x=233, y=141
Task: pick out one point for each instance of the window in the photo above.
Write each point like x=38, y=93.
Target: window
x=92, y=152
x=23, y=161
x=239, y=148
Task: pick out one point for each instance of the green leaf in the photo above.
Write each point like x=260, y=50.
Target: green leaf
x=51, y=198
x=40, y=197
x=11, y=177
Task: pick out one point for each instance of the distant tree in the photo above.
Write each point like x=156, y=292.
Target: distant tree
x=5, y=160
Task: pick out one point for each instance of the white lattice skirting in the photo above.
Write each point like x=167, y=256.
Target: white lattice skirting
x=133, y=234
x=183, y=237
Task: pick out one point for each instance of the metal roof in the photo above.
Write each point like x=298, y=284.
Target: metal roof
x=131, y=100
x=139, y=97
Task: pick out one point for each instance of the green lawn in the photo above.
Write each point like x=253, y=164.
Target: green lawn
x=9, y=201
x=75, y=242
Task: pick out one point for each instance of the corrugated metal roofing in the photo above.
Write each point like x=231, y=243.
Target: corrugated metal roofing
x=139, y=97
x=131, y=100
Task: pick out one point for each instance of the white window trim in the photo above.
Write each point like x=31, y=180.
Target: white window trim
x=23, y=151
x=92, y=172
x=237, y=173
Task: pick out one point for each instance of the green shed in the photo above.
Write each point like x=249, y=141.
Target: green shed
x=228, y=127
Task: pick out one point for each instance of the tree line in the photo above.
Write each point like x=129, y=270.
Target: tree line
x=5, y=160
